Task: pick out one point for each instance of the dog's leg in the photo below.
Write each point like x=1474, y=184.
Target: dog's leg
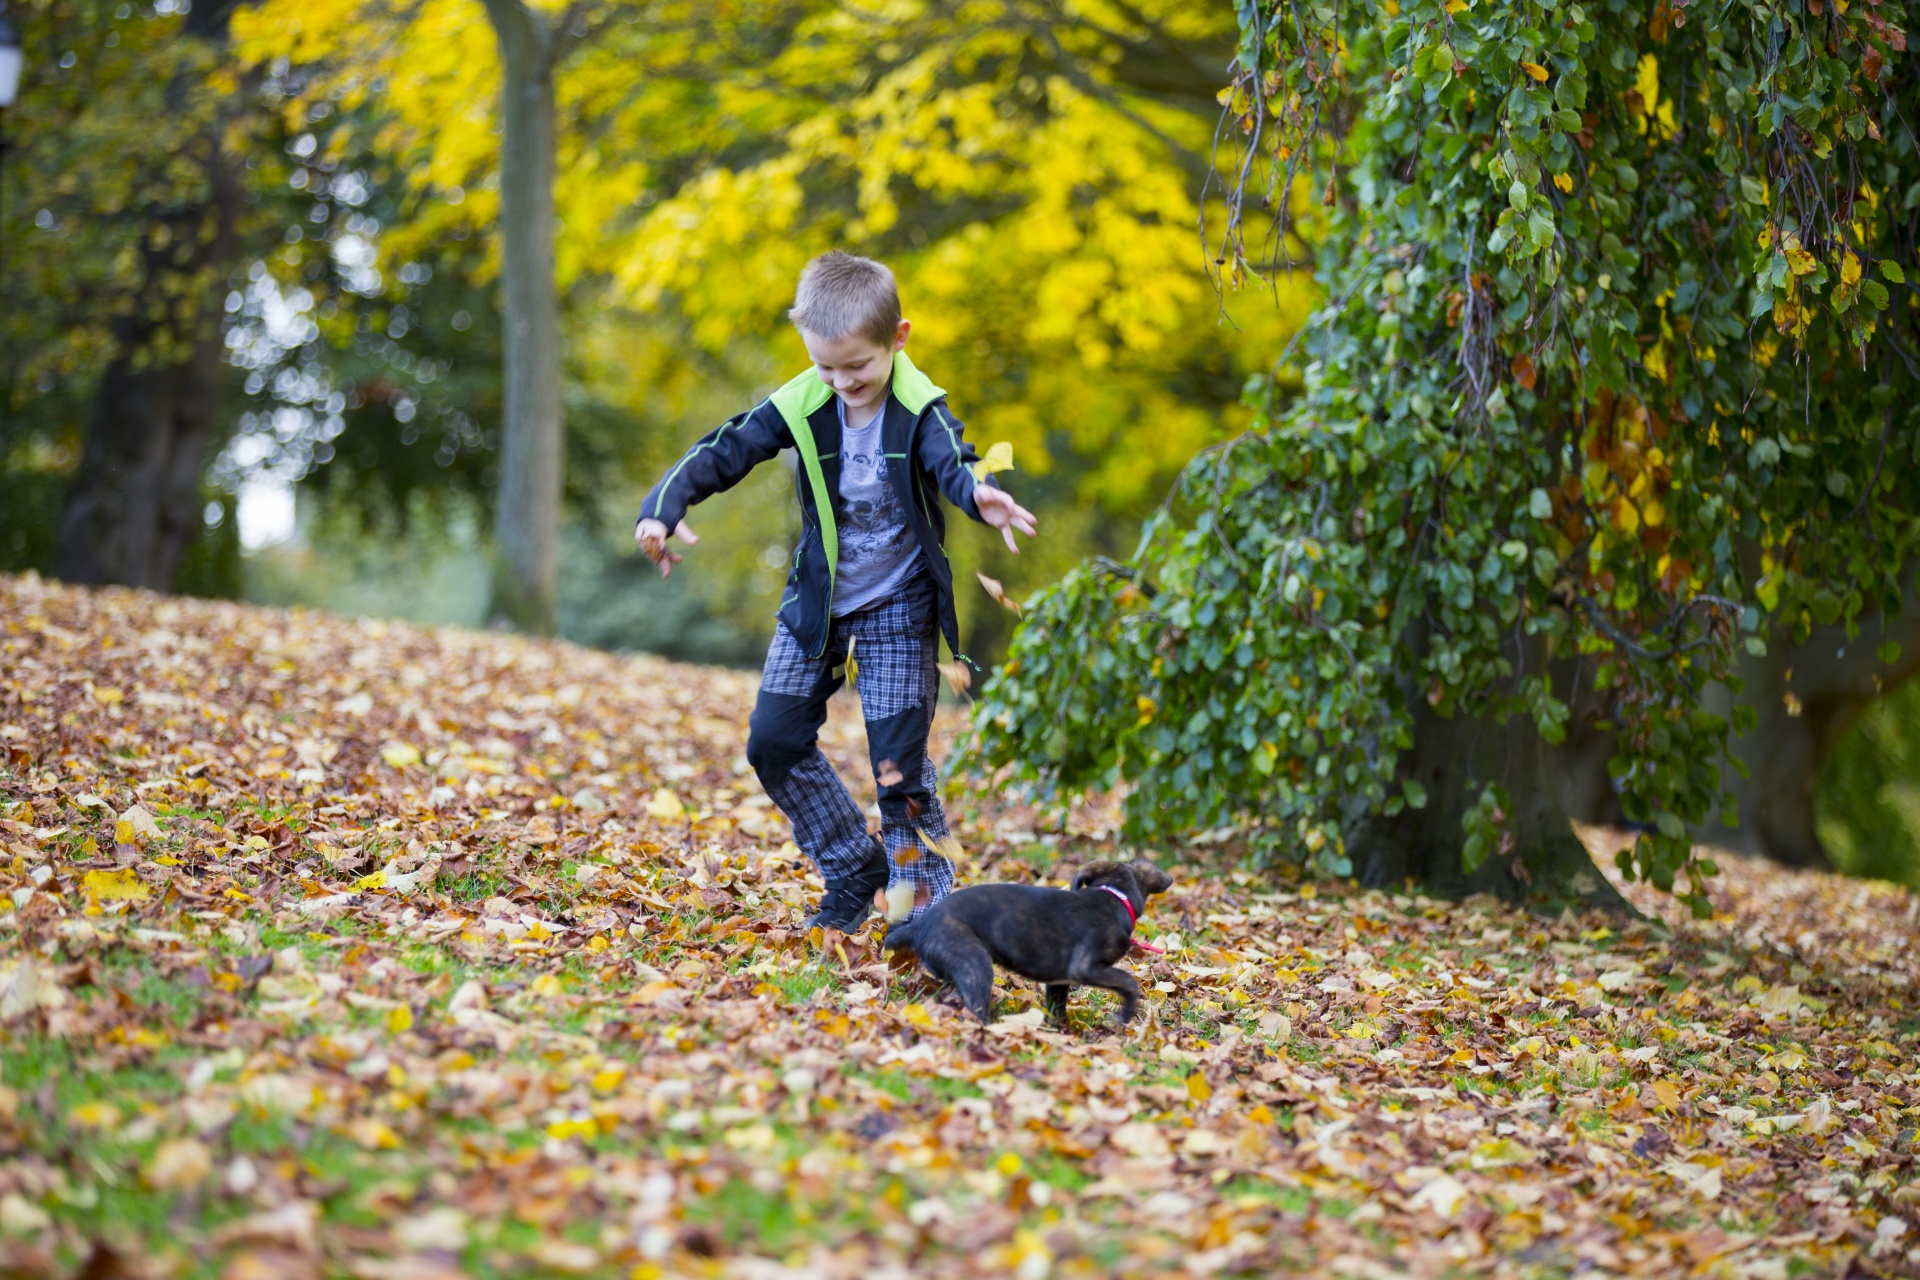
x=1057, y=1002
x=970, y=969
x=1118, y=981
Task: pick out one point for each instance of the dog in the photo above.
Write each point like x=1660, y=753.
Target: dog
x=1055, y=936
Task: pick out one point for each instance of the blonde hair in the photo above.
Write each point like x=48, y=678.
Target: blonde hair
x=843, y=296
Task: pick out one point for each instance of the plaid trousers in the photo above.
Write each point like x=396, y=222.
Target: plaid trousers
x=893, y=647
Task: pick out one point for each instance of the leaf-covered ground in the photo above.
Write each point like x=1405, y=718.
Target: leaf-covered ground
x=351, y=948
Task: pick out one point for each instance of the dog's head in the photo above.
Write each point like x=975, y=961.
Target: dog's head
x=1135, y=879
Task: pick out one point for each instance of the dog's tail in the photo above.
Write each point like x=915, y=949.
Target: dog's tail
x=902, y=935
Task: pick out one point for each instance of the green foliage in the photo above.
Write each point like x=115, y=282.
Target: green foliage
x=1868, y=800
x=1574, y=392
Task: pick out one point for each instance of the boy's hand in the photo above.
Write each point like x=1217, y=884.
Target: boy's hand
x=998, y=509
x=651, y=537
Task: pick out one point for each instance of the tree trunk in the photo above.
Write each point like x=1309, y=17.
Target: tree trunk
x=527, y=518
x=135, y=502
x=1806, y=696
x=1544, y=866
x=1832, y=680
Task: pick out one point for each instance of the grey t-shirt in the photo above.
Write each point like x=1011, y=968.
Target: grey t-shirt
x=878, y=552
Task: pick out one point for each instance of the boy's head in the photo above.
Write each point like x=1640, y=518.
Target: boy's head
x=847, y=310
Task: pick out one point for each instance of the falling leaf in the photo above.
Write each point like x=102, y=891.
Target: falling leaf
x=999, y=594
x=958, y=675
x=999, y=457
x=1535, y=70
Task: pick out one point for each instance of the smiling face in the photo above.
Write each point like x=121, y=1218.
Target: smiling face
x=856, y=367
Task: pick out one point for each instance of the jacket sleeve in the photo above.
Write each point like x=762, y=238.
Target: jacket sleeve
x=717, y=462
x=948, y=456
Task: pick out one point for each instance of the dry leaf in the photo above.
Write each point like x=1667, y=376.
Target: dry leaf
x=999, y=594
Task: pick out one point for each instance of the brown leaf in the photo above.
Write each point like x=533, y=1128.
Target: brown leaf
x=999, y=594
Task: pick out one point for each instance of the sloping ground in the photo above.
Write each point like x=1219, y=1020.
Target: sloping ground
x=359, y=949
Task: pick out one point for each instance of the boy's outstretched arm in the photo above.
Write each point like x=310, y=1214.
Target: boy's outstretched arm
x=946, y=452
x=717, y=461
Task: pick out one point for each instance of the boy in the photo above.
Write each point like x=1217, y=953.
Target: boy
x=878, y=449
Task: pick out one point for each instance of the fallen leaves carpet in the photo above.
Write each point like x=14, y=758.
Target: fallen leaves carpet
x=357, y=949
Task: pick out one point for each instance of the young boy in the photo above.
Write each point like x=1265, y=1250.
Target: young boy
x=878, y=449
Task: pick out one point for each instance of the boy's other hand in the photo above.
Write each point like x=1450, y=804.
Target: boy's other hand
x=651, y=537
x=998, y=509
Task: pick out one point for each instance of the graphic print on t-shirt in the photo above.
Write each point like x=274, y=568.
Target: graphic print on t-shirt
x=878, y=551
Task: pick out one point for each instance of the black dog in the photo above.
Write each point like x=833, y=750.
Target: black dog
x=1059, y=937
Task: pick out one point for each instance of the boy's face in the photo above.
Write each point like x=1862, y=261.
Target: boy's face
x=856, y=367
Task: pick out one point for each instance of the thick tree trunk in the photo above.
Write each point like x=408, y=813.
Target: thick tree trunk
x=135, y=502
x=1544, y=866
x=1831, y=680
x=527, y=518
x=1806, y=696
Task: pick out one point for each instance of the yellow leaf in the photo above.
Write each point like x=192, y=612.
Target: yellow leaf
x=1146, y=707
x=109, y=697
x=999, y=458
x=665, y=805
x=374, y=881
x=1500, y=1153
x=598, y=943
x=946, y=846
x=95, y=1115
x=1563, y=181
x=1625, y=517
x=136, y=826
x=1850, y=269
x=607, y=1079
x=1197, y=1087
x=546, y=986
x=1535, y=70
x=400, y=754
x=917, y=1015
x=1456, y=6
x=373, y=1134
x=1669, y=1094
x=399, y=1019
x=115, y=886
x=1008, y=1164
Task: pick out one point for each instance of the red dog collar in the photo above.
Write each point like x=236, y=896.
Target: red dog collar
x=1133, y=917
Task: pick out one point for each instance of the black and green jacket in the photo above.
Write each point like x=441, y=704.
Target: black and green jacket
x=918, y=426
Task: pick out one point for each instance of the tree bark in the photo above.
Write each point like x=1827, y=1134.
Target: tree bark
x=527, y=515
x=135, y=502
x=1544, y=866
x=1831, y=679
x=1806, y=696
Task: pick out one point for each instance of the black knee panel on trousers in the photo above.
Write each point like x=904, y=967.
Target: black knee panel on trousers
x=782, y=731
x=901, y=741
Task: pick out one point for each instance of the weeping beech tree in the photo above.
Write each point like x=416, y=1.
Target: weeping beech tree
x=1611, y=385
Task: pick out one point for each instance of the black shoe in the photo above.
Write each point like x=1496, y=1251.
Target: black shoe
x=847, y=903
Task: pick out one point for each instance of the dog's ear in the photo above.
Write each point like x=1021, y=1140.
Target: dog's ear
x=1093, y=872
x=1151, y=879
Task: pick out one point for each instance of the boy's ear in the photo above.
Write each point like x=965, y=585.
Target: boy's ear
x=1152, y=879
x=900, y=333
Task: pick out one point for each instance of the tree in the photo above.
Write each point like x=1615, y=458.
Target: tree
x=124, y=209
x=1029, y=170
x=527, y=515
x=1610, y=374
